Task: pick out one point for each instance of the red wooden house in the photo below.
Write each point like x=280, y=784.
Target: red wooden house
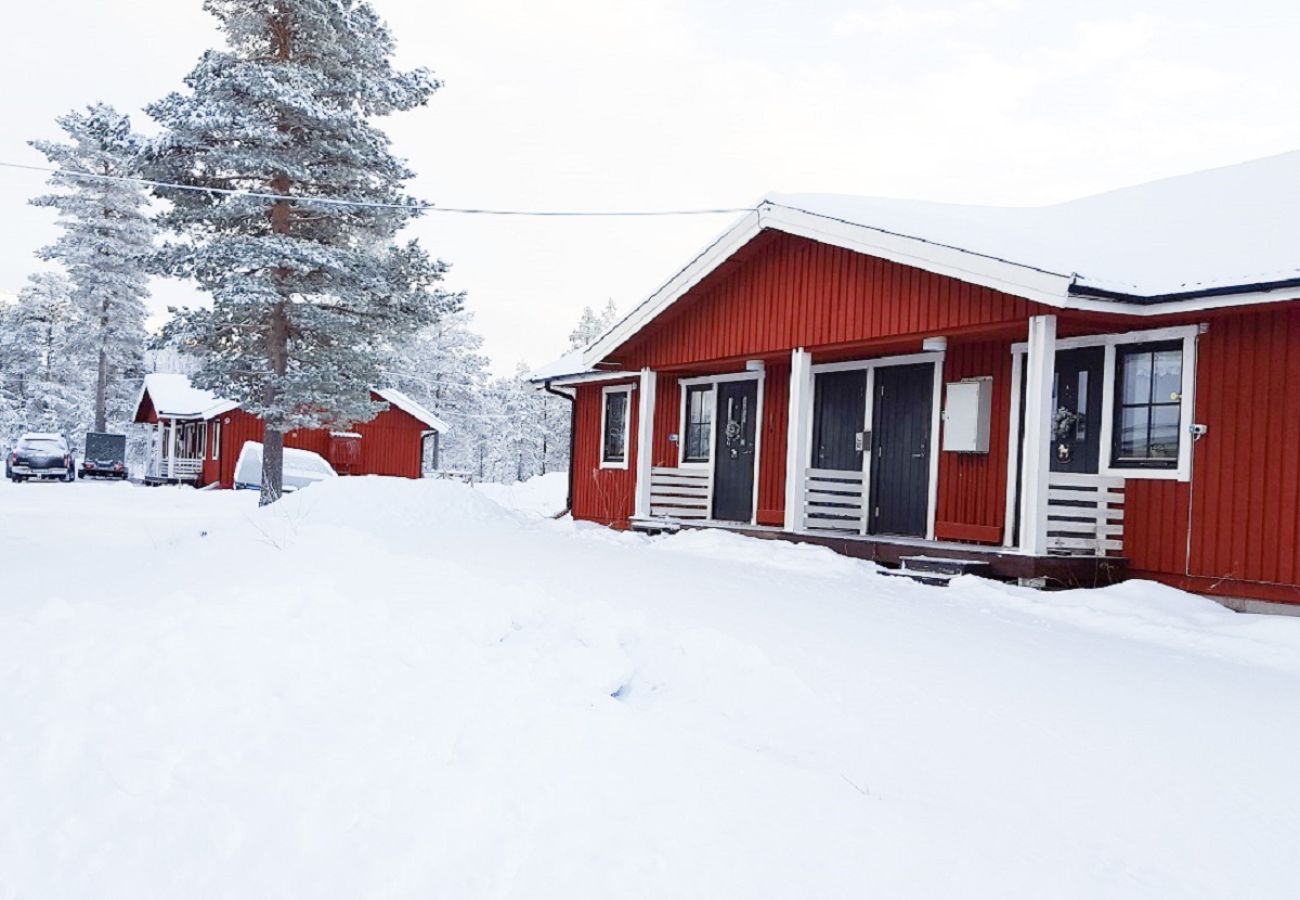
x=197, y=436
x=1104, y=388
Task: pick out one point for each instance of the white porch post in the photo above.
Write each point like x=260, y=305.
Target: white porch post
x=645, y=428
x=171, y=449
x=796, y=441
x=1035, y=455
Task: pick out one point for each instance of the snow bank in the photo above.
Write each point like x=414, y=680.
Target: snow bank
x=380, y=687
x=541, y=495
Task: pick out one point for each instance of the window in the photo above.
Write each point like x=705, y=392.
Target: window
x=1148, y=405
x=216, y=439
x=698, y=425
x=614, y=426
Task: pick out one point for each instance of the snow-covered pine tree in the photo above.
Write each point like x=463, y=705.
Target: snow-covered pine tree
x=47, y=370
x=592, y=325
x=106, y=246
x=307, y=296
x=443, y=367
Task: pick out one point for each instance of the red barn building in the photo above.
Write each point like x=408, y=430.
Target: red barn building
x=1076, y=393
x=197, y=436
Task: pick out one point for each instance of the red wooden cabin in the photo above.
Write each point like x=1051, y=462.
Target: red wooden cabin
x=1100, y=389
x=197, y=436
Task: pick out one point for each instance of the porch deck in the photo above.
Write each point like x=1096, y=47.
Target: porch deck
x=889, y=550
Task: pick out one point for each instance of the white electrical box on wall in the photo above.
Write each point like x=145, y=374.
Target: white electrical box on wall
x=966, y=415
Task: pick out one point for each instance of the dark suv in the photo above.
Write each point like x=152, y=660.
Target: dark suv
x=41, y=456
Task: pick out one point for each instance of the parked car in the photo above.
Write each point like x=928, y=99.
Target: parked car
x=41, y=456
x=105, y=456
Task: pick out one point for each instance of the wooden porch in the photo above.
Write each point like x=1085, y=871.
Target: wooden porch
x=1008, y=563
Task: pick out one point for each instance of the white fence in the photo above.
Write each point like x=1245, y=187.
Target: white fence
x=833, y=501
x=682, y=493
x=1085, y=514
x=184, y=467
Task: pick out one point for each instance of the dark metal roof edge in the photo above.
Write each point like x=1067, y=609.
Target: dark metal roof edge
x=1084, y=290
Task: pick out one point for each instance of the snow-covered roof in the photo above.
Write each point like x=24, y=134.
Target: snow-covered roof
x=173, y=396
x=410, y=407
x=1219, y=237
x=568, y=364
x=1234, y=225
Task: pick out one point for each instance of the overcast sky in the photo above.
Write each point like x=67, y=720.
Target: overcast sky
x=601, y=104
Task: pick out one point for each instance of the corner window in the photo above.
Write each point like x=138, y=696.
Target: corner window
x=1148, y=405
x=698, y=425
x=614, y=427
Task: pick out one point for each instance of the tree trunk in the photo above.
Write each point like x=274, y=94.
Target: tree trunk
x=272, y=467
x=101, y=393
x=277, y=351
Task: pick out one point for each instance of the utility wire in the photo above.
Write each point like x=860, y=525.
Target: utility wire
x=368, y=204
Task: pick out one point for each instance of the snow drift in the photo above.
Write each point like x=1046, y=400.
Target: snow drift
x=380, y=687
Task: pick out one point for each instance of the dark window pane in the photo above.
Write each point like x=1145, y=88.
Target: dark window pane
x=699, y=426
x=1131, y=439
x=1148, y=410
x=1136, y=377
x=615, y=448
x=1164, y=432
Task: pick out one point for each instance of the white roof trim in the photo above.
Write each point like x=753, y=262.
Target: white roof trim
x=1017, y=279
x=413, y=409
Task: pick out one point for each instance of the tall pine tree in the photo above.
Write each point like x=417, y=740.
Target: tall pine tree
x=307, y=296
x=106, y=246
x=46, y=370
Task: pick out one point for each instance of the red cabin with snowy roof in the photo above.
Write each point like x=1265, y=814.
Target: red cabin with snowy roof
x=197, y=436
x=1101, y=389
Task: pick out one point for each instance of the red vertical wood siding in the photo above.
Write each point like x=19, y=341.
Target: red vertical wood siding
x=601, y=495
x=771, y=450
x=972, y=486
x=668, y=410
x=391, y=444
x=783, y=292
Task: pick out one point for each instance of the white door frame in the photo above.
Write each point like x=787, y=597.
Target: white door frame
x=759, y=376
x=934, y=358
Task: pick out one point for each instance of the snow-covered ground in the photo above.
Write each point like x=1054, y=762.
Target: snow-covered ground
x=381, y=688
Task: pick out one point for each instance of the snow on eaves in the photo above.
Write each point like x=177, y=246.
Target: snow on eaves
x=568, y=365
x=410, y=407
x=173, y=396
x=1224, y=227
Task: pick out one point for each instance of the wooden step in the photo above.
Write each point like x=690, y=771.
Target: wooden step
x=940, y=565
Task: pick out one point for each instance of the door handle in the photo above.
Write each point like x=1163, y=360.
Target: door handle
x=918, y=455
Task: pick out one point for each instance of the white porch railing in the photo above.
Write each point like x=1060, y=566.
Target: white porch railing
x=1085, y=514
x=682, y=493
x=185, y=467
x=833, y=501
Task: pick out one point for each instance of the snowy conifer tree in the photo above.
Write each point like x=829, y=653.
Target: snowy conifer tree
x=106, y=247
x=46, y=366
x=443, y=367
x=592, y=325
x=307, y=296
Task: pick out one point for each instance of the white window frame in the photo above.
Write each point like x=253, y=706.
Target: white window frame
x=216, y=440
x=1182, y=471
x=627, y=424
x=933, y=357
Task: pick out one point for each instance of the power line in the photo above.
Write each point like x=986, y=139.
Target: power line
x=368, y=204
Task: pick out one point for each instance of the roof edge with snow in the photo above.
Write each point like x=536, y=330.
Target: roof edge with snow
x=1050, y=283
